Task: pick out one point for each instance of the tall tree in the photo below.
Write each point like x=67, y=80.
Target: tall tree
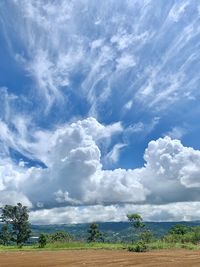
x=145, y=235
x=94, y=233
x=137, y=223
x=16, y=217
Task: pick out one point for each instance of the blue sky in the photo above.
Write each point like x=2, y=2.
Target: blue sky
x=100, y=108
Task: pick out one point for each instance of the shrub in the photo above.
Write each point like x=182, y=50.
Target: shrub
x=61, y=237
x=138, y=247
x=179, y=229
x=178, y=235
x=146, y=236
x=42, y=240
x=172, y=238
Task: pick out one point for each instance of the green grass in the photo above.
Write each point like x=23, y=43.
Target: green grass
x=157, y=245
x=80, y=245
x=165, y=245
x=65, y=246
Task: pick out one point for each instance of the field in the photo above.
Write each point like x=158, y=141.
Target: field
x=103, y=258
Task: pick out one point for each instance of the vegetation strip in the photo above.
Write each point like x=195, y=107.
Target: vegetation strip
x=15, y=235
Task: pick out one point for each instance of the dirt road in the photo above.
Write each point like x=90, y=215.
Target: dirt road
x=92, y=258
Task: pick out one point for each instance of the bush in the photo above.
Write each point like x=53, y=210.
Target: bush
x=146, y=236
x=192, y=235
x=60, y=237
x=42, y=240
x=172, y=238
x=138, y=247
x=179, y=229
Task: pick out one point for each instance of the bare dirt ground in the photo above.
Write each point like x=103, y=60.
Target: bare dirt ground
x=92, y=258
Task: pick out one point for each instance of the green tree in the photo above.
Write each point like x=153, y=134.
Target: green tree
x=94, y=233
x=42, y=240
x=179, y=229
x=16, y=217
x=136, y=220
x=137, y=223
x=5, y=235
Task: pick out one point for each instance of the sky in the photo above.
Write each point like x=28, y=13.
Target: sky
x=99, y=109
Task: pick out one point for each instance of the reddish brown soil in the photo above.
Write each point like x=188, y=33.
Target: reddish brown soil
x=92, y=258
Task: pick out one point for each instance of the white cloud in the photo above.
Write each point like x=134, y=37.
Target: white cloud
x=171, y=171
x=74, y=172
x=13, y=197
x=178, y=10
x=125, y=61
x=124, y=40
x=97, y=43
x=135, y=128
x=177, y=132
x=42, y=32
x=182, y=211
x=128, y=105
x=140, y=128
x=76, y=214
x=114, y=154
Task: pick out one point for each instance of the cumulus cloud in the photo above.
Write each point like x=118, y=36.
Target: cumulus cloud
x=168, y=163
x=73, y=173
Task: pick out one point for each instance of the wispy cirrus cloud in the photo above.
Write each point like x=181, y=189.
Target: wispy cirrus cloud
x=56, y=46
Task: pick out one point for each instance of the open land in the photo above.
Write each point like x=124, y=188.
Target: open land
x=103, y=258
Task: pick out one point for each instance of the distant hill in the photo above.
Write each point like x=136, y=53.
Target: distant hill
x=113, y=231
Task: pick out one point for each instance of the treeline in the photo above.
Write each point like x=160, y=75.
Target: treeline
x=183, y=234
x=177, y=234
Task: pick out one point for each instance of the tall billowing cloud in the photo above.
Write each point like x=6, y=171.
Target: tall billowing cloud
x=73, y=172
